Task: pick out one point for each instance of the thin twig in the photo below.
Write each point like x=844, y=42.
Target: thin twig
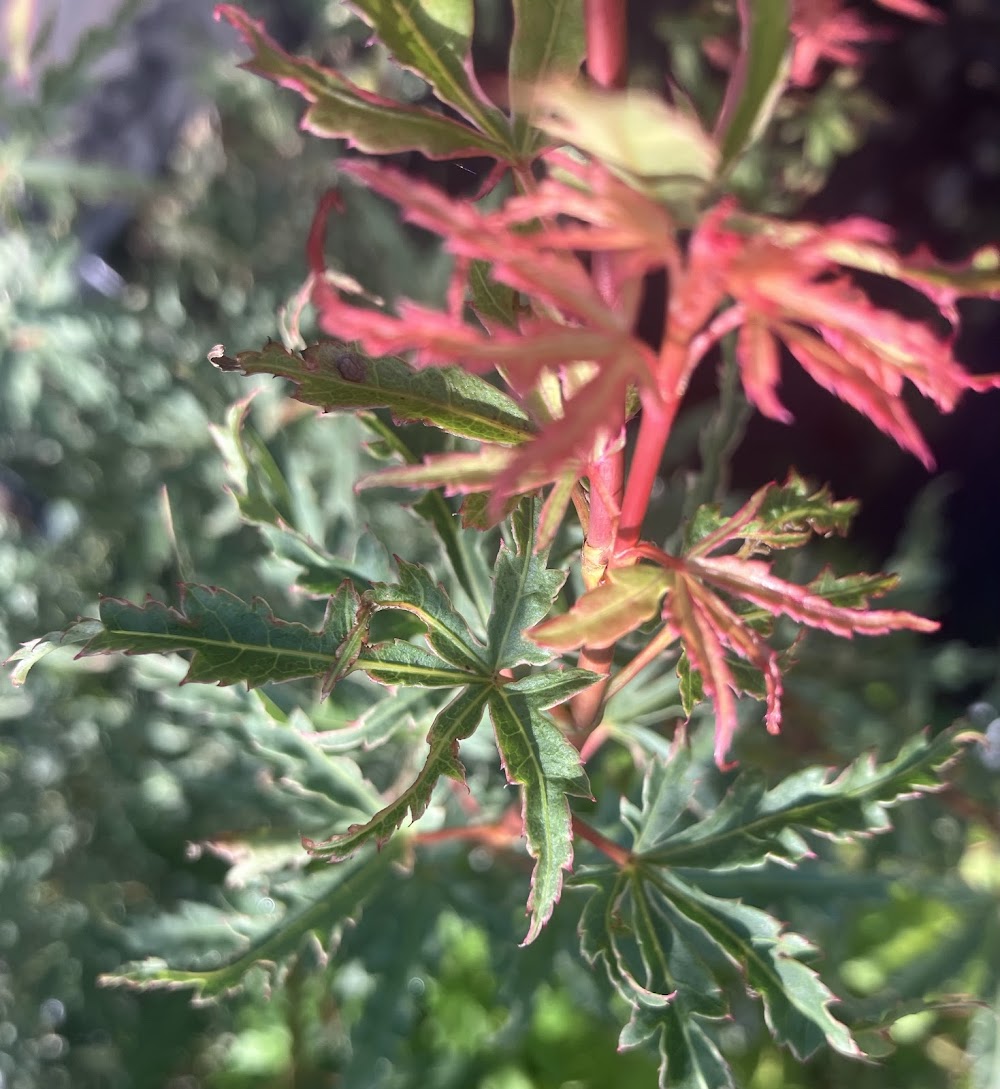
x=618, y=855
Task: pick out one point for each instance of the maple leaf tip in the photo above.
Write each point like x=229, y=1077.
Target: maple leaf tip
x=234, y=16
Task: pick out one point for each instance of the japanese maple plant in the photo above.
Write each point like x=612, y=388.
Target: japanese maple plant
x=555, y=610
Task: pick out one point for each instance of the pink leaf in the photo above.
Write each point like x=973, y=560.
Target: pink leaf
x=752, y=580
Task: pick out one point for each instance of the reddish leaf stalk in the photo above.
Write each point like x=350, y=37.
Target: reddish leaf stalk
x=330, y=201
x=607, y=471
x=657, y=646
x=500, y=835
x=607, y=483
x=595, y=740
x=654, y=430
x=607, y=53
x=587, y=705
x=607, y=61
x=618, y=855
x=676, y=359
x=496, y=835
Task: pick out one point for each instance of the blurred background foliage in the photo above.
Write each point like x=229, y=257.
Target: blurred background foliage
x=119, y=269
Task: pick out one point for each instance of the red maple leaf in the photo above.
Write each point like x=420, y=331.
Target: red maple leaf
x=787, y=283
x=824, y=30
x=914, y=9
x=531, y=244
x=775, y=282
x=702, y=599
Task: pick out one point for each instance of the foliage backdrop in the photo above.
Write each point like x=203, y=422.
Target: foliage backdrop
x=109, y=772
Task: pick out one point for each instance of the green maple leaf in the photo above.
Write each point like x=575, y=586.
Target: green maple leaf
x=434, y=39
x=775, y=517
x=436, y=48
x=338, y=378
x=548, y=43
x=753, y=823
x=313, y=909
x=534, y=753
x=675, y=951
x=264, y=497
x=545, y=765
x=454, y=723
x=229, y=640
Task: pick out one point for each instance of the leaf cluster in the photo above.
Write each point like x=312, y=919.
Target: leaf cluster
x=359, y=799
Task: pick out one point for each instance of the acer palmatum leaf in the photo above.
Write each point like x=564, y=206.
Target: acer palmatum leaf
x=702, y=598
x=788, y=283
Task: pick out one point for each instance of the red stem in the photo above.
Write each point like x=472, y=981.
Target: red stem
x=500, y=834
x=607, y=481
x=654, y=430
x=586, y=705
x=594, y=741
x=607, y=60
x=607, y=65
x=607, y=53
x=330, y=201
x=655, y=424
x=618, y=855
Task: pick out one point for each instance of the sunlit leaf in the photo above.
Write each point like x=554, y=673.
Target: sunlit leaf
x=628, y=597
x=34, y=651
x=338, y=378
x=634, y=131
x=753, y=823
x=545, y=765
x=942, y=282
x=706, y=603
x=677, y=952
x=369, y=122
x=231, y=640
x=434, y=39
x=776, y=516
x=447, y=631
x=406, y=664
x=548, y=43
x=552, y=687
x=788, y=281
